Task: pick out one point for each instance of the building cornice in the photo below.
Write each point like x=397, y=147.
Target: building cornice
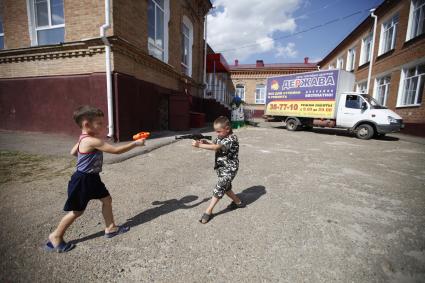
x=64, y=50
x=91, y=47
x=272, y=71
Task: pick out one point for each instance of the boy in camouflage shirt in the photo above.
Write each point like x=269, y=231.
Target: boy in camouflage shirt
x=226, y=147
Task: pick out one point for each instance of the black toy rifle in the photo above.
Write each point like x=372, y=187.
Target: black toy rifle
x=194, y=137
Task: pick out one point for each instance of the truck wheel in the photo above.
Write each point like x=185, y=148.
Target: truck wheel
x=365, y=132
x=291, y=125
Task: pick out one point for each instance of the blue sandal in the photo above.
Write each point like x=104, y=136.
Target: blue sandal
x=121, y=230
x=63, y=247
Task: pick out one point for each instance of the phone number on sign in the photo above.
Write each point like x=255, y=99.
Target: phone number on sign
x=283, y=106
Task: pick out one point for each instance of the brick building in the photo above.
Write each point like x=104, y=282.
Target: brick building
x=249, y=80
x=53, y=59
x=396, y=58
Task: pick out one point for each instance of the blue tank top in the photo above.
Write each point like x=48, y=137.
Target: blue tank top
x=89, y=162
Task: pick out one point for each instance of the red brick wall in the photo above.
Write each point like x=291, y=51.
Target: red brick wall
x=389, y=63
x=32, y=104
x=15, y=24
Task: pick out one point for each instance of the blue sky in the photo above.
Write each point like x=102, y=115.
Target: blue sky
x=245, y=29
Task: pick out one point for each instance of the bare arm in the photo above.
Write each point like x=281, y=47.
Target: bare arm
x=74, y=150
x=209, y=146
x=106, y=147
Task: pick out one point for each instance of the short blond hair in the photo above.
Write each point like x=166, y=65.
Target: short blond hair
x=223, y=121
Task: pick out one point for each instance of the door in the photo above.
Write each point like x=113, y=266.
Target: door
x=351, y=110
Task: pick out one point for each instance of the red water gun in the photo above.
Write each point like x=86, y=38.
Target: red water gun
x=141, y=135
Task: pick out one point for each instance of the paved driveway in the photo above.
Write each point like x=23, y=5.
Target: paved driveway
x=321, y=208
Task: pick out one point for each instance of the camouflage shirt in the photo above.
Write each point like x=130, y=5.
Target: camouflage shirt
x=227, y=157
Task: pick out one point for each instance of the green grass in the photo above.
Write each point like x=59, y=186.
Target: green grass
x=24, y=167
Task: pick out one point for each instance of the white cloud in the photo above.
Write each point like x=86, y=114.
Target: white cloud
x=237, y=23
x=287, y=51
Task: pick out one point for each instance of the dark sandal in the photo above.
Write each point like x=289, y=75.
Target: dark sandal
x=63, y=247
x=120, y=230
x=234, y=205
x=205, y=218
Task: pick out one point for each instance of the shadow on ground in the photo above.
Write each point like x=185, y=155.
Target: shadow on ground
x=161, y=208
x=248, y=195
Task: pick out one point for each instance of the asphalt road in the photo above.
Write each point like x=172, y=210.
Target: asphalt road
x=321, y=208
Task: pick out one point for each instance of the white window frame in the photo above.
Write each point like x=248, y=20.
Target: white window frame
x=383, y=86
x=262, y=88
x=351, y=59
x=33, y=21
x=421, y=79
x=361, y=86
x=340, y=63
x=421, y=9
x=151, y=46
x=240, y=86
x=189, y=26
x=385, y=27
x=366, y=43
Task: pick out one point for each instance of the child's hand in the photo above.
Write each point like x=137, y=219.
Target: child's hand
x=139, y=142
x=195, y=143
x=204, y=142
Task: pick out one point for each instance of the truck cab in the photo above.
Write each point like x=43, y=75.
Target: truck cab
x=363, y=115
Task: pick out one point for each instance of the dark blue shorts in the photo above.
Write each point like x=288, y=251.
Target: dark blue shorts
x=82, y=188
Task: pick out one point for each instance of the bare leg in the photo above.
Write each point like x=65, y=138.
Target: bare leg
x=108, y=215
x=214, y=201
x=234, y=197
x=56, y=237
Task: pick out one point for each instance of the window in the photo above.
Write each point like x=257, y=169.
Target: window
x=187, y=42
x=158, y=14
x=240, y=91
x=1, y=33
x=260, y=94
x=412, y=86
x=351, y=58
x=388, y=35
x=340, y=63
x=366, y=49
x=48, y=24
x=382, y=89
x=416, y=24
x=353, y=101
x=361, y=87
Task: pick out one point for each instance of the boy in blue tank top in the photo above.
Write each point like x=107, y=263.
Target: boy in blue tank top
x=85, y=183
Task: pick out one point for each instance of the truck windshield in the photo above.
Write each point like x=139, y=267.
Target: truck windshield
x=373, y=103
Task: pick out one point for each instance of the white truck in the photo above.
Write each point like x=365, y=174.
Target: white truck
x=325, y=99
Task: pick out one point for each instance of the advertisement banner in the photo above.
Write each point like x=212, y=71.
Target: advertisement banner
x=302, y=95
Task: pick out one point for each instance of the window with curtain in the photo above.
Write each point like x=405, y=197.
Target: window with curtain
x=156, y=14
x=382, y=89
x=388, y=35
x=260, y=94
x=412, y=85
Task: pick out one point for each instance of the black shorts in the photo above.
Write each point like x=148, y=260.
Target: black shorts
x=82, y=188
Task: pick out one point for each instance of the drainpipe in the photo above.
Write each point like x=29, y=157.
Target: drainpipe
x=372, y=50
x=103, y=30
x=205, y=55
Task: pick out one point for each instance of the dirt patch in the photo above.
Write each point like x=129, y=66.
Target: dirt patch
x=24, y=167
